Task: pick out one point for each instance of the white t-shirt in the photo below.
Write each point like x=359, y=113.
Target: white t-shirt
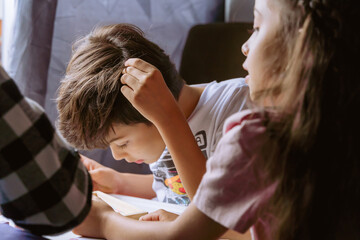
x=217, y=102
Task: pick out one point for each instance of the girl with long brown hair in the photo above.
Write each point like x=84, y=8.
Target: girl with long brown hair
x=289, y=168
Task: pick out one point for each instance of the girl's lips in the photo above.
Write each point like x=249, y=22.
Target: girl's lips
x=139, y=161
x=247, y=79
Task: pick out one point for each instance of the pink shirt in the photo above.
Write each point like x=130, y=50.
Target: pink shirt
x=229, y=192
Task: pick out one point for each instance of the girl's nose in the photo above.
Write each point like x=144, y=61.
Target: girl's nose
x=245, y=49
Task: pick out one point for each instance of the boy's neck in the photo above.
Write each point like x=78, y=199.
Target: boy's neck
x=189, y=98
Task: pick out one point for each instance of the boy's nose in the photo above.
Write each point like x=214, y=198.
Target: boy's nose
x=117, y=155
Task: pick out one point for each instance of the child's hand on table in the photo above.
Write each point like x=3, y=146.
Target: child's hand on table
x=145, y=88
x=104, y=179
x=159, y=215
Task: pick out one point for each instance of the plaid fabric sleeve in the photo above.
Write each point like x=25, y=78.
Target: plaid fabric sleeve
x=44, y=188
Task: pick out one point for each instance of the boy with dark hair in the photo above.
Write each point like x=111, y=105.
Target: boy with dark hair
x=92, y=83
x=93, y=113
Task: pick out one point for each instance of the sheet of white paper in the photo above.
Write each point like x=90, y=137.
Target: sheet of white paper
x=151, y=205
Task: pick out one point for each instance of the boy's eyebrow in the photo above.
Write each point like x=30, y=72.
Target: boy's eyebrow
x=115, y=139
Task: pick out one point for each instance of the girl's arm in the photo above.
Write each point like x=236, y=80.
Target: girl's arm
x=103, y=222
x=146, y=90
x=164, y=216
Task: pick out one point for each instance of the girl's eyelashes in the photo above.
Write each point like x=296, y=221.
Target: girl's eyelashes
x=254, y=29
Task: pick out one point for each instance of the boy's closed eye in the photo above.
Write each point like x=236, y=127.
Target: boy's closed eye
x=123, y=145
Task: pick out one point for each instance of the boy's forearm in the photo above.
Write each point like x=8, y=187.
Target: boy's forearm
x=145, y=88
x=188, y=158
x=137, y=185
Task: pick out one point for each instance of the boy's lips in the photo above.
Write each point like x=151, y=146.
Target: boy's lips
x=139, y=161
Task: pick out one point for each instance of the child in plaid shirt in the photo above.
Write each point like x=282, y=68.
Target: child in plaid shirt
x=44, y=188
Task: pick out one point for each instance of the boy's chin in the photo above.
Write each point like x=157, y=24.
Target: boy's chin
x=149, y=161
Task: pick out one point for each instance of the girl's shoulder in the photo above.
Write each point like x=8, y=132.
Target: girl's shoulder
x=245, y=119
x=247, y=130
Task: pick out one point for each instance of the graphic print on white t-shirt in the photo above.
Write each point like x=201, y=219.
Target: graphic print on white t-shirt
x=166, y=177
